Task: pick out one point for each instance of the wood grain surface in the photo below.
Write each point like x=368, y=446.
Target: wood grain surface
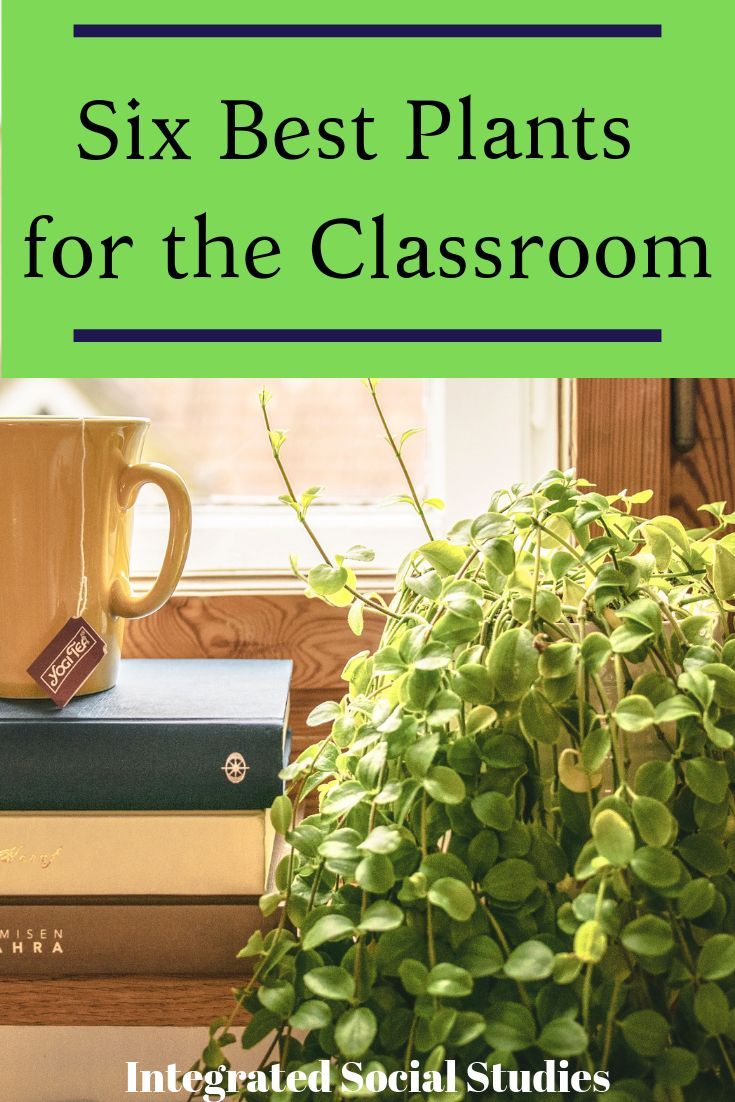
x=311, y=633
x=707, y=472
x=115, y=1000
x=620, y=436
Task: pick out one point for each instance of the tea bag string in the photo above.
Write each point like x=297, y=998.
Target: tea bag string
x=82, y=598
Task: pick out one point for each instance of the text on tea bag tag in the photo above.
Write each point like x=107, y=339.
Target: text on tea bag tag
x=65, y=664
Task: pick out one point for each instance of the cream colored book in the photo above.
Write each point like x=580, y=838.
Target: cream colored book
x=124, y=853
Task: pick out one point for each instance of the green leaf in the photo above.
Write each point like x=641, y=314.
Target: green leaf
x=278, y=996
x=356, y=617
x=717, y=957
x=648, y=936
x=547, y=856
x=707, y=779
x=480, y=718
x=329, y=928
x=712, y=1009
x=634, y=713
x=464, y=756
x=472, y=682
x=660, y=546
x=548, y=606
x=446, y=558
x=326, y=580
x=444, y=785
x=426, y=585
x=644, y=612
x=561, y=561
x=330, y=982
x=262, y=1023
x=482, y=852
x=382, y=839
x=698, y=684
x=563, y=1037
x=510, y=881
x=343, y=797
x=413, y=975
x=494, y=810
x=656, y=867
x=674, y=529
x=595, y=749
x=653, y=819
x=255, y=946
x=590, y=942
x=490, y=526
x=359, y=553
x=381, y=916
x=704, y=853
x=433, y=656
x=674, y=708
x=453, y=897
x=723, y=572
x=281, y=814
x=419, y=757
x=628, y=637
x=647, y=1032
x=566, y=968
x=323, y=713
x=676, y=1067
x=539, y=720
x=388, y=662
x=500, y=553
x=512, y=663
x=313, y=1014
x=656, y=779
x=375, y=873
x=268, y=903
x=355, y=1031
x=558, y=659
x=596, y=651
x=529, y=962
x=696, y=898
x=613, y=837
x=448, y=981
x=510, y=1027
x=480, y=956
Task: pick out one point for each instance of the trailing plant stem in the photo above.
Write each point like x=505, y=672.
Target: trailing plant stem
x=399, y=456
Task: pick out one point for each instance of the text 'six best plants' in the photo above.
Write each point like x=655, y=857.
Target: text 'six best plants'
x=523, y=848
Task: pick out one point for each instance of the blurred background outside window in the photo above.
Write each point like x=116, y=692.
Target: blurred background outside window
x=478, y=434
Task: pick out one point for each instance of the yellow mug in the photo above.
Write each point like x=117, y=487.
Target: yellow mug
x=67, y=490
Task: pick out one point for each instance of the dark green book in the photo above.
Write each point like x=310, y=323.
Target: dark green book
x=173, y=735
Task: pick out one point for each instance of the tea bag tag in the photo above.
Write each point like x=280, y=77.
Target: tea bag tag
x=69, y=659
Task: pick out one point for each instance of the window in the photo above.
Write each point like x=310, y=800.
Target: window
x=479, y=434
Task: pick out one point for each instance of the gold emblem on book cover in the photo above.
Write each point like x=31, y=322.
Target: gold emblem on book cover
x=235, y=768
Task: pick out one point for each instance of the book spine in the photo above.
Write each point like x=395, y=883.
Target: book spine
x=151, y=766
x=60, y=853
x=131, y=937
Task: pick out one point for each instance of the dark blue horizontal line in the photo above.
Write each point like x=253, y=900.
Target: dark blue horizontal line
x=367, y=30
x=365, y=336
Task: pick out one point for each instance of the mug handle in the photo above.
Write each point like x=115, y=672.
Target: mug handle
x=122, y=600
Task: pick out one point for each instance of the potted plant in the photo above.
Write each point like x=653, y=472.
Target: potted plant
x=521, y=854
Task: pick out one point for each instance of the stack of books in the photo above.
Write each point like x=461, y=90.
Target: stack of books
x=134, y=831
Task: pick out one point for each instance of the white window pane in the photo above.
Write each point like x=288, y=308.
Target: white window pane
x=211, y=430
x=480, y=434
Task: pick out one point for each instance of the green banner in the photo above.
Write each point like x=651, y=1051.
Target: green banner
x=569, y=188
